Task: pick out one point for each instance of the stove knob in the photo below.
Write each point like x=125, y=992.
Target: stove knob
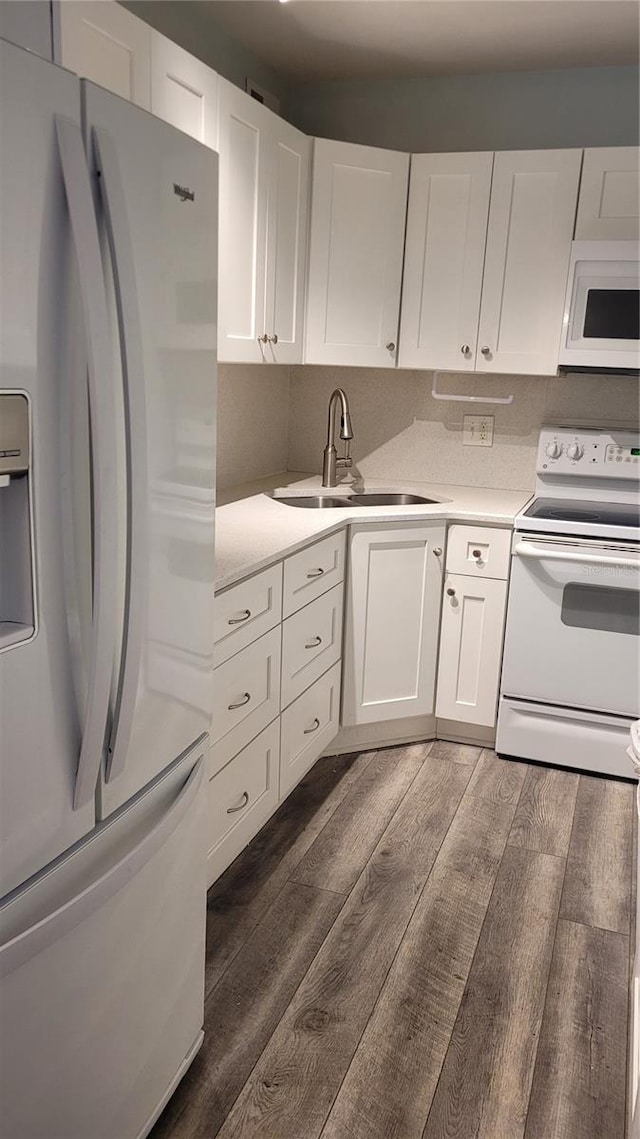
x=554, y=449
x=575, y=451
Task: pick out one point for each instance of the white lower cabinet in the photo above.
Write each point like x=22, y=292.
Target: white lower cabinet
x=311, y=643
x=246, y=697
x=242, y=796
x=473, y=615
x=308, y=726
x=392, y=620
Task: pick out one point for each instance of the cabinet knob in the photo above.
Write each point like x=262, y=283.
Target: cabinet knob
x=391, y=346
x=477, y=554
x=273, y=339
x=466, y=351
x=451, y=592
x=437, y=551
x=486, y=351
x=263, y=339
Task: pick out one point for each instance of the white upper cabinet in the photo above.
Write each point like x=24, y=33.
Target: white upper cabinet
x=609, y=202
x=358, y=209
x=184, y=91
x=531, y=219
x=103, y=42
x=264, y=171
x=444, y=257
x=28, y=25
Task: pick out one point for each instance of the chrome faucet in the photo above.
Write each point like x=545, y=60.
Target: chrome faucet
x=330, y=460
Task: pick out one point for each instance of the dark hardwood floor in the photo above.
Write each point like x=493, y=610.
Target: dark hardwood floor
x=425, y=942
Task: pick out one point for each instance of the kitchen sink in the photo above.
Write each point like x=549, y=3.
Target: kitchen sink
x=390, y=499
x=329, y=502
x=313, y=501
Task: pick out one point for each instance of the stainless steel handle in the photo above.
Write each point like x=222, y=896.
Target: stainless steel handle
x=273, y=339
x=316, y=573
x=437, y=551
x=263, y=339
x=536, y=553
x=314, y=643
x=84, y=230
x=245, y=800
x=240, y=703
x=391, y=346
x=451, y=592
x=466, y=351
x=486, y=351
x=316, y=725
x=238, y=620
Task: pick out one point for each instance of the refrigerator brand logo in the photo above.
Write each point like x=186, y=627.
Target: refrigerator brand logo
x=184, y=193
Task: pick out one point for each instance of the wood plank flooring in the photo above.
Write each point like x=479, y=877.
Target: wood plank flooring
x=424, y=943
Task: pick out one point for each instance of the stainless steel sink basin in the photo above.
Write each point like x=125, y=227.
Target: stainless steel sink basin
x=313, y=501
x=330, y=502
x=390, y=499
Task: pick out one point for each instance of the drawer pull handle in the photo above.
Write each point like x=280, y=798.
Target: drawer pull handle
x=314, y=643
x=245, y=800
x=241, y=703
x=315, y=573
x=238, y=620
x=316, y=725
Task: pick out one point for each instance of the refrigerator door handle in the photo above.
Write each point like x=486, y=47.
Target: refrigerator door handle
x=52, y=926
x=130, y=328
x=86, y=241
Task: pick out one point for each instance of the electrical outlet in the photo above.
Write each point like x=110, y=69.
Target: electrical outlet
x=477, y=430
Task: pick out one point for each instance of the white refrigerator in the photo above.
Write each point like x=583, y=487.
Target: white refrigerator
x=108, y=255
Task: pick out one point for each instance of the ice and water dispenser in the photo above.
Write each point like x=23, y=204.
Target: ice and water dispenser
x=17, y=603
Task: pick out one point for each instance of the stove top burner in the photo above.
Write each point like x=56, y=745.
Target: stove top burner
x=602, y=513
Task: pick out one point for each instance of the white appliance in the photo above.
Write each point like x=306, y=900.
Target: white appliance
x=107, y=461
x=633, y=751
x=601, y=326
x=570, y=685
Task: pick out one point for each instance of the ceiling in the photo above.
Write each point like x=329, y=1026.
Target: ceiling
x=311, y=40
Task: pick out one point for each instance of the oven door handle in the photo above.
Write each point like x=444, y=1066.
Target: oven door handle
x=524, y=550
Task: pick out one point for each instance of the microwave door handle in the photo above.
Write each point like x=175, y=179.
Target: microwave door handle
x=84, y=231
x=132, y=357
x=524, y=550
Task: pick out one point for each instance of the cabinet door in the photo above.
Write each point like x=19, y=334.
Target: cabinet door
x=28, y=26
x=184, y=91
x=358, y=208
x=531, y=216
x=609, y=202
x=287, y=221
x=243, y=126
x=444, y=257
x=103, y=42
x=393, y=616
x=473, y=615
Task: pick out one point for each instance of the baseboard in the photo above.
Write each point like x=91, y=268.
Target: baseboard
x=388, y=733
x=457, y=732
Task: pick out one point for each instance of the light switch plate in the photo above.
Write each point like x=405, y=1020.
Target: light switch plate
x=477, y=430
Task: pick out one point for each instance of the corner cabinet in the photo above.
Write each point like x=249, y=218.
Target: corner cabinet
x=184, y=91
x=608, y=207
x=264, y=187
x=358, y=209
x=103, y=42
x=392, y=621
x=487, y=254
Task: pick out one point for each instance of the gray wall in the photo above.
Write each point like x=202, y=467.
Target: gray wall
x=188, y=24
x=596, y=106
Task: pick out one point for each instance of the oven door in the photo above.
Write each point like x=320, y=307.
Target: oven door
x=573, y=624
x=601, y=325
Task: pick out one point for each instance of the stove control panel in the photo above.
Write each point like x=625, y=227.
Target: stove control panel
x=588, y=453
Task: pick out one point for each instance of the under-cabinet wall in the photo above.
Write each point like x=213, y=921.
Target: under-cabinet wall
x=253, y=420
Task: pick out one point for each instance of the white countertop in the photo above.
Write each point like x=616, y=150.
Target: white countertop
x=253, y=530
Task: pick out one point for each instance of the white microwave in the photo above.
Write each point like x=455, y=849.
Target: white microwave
x=601, y=325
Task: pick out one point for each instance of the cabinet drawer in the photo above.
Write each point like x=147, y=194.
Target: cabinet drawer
x=312, y=572
x=478, y=551
x=246, y=611
x=241, y=798
x=311, y=643
x=308, y=726
x=245, y=697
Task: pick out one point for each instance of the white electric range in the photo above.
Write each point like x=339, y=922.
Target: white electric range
x=570, y=685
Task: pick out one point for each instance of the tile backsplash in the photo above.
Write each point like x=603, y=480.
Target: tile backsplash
x=253, y=415
x=401, y=432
